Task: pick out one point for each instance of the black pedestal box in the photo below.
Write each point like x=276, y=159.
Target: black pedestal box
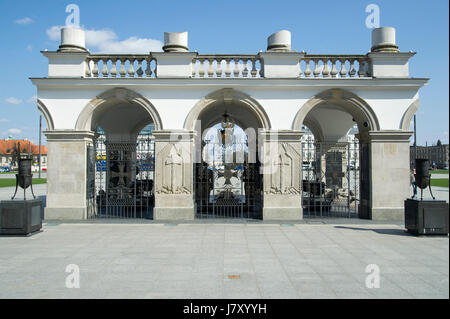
x=20, y=217
x=426, y=217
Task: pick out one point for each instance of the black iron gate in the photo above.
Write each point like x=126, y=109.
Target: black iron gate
x=124, y=174
x=228, y=187
x=331, y=176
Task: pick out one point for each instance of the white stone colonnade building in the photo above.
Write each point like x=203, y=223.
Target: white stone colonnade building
x=271, y=96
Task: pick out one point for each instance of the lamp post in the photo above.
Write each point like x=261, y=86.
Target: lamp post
x=40, y=130
x=415, y=139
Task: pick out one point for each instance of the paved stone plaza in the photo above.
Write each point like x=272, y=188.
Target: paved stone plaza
x=142, y=259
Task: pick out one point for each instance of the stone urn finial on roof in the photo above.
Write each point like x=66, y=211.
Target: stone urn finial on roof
x=175, y=42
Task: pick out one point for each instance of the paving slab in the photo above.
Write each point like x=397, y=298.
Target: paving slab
x=149, y=260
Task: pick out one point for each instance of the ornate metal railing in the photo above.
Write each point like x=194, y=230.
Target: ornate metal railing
x=334, y=66
x=226, y=66
x=120, y=66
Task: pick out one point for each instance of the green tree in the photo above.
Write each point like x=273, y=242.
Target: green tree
x=439, y=143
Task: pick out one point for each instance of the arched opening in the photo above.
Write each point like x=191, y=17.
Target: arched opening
x=335, y=154
x=121, y=160
x=227, y=179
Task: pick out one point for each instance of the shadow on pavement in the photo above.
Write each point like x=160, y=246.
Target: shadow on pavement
x=397, y=232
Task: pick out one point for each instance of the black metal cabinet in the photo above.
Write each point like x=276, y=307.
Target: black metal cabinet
x=20, y=217
x=426, y=216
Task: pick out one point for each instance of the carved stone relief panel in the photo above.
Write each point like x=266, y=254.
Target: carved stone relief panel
x=284, y=175
x=174, y=169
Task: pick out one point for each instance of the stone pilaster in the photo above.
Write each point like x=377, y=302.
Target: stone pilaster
x=385, y=174
x=67, y=173
x=174, y=184
x=281, y=158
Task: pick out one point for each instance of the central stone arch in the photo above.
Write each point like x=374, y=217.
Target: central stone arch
x=227, y=174
x=228, y=96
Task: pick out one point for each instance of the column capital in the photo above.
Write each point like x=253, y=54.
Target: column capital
x=388, y=136
x=174, y=135
x=281, y=135
x=69, y=135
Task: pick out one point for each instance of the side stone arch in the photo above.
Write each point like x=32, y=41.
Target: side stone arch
x=84, y=121
x=48, y=117
x=408, y=115
x=349, y=101
x=227, y=96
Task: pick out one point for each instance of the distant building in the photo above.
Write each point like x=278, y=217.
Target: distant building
x=6, y=153
x=436, y=154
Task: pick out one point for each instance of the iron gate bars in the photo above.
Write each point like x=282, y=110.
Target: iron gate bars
x=124, y=174
x=226, y=189
x=330, y=179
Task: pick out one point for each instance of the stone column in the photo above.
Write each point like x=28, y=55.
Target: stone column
x=281, y=158
x=66, y=174
x=174, y=184
x=385, y=174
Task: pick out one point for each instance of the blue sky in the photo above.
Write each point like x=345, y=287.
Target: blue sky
x=319, y=26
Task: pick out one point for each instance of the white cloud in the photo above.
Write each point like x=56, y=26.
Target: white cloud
x=32, y=99
x=13, y=100
x=4, y=120
x=14, y=131
x=29, y=48
x=25, y=20
x=54, y=33
x=107, y=41
x=99, y=37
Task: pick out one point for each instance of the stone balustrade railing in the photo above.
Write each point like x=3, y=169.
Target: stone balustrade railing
x=226, y=66
x=119, y=65
x=334, y=66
